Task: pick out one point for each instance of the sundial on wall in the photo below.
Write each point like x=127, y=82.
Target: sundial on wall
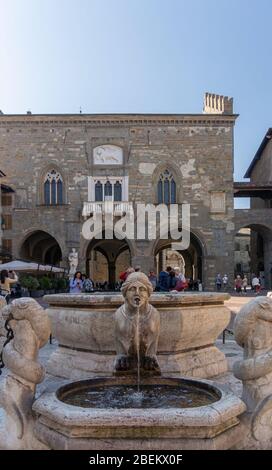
x=107, y=155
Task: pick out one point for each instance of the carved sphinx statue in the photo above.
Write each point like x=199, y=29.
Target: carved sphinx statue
x=253, y=332
x=31, y=328
x=137, y=327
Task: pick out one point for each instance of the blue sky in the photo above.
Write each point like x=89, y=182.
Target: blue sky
x=148, y=56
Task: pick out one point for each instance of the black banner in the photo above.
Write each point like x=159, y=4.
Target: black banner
x=131, y=459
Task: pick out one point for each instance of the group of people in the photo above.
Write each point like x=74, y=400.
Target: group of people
x=169, y=279
x=221, y=282
x=241, y=284
x=80, y=283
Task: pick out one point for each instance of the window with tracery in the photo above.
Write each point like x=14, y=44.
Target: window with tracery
x=53, y=188
x=108, y=190
x=166, y=188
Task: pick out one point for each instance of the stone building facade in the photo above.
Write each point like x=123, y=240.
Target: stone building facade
x=259, y=217
x=65, y=167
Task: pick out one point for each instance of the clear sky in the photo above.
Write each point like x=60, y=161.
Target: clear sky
x=146, y=56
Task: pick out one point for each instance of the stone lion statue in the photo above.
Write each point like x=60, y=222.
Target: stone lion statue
x=137, y=327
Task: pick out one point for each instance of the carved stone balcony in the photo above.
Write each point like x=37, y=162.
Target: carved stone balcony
x=117, y=208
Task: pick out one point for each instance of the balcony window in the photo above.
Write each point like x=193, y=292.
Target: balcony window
x=110, y=189
x=98, y=191
x=117, y=191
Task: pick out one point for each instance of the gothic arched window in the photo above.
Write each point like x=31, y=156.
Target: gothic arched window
x=98, y=191
x=166, y=188
x=53, y=188
x=117, y=191
x=108, y=191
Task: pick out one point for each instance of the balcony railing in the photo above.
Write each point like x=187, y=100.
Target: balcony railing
x=118, y=208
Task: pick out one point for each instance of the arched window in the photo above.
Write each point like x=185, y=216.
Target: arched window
x=53, y=188
x=117, y=191
x=98, y=191
x=108, y=191
x=166, y=188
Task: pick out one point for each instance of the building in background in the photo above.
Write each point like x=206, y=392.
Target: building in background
x=259, y=217
x=242, y=260
x=6, y=213
x=65, y=167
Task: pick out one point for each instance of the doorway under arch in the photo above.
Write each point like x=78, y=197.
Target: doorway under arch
x=190, y=260
x=106, y=259
x=253, y=253
x=41, y=247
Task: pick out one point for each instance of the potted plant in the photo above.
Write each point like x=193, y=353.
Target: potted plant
x=33, y=286
x=46, y=285
x=25, y=283
x=62, y=284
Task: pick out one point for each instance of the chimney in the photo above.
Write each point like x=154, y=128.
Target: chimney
x=217, y=104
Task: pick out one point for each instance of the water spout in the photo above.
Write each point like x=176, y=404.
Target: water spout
x=137, y=301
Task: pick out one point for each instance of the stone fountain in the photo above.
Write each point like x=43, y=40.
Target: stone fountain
x=190, y=323
x=136, y=405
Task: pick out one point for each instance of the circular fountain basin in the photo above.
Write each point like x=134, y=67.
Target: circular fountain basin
x=124, y=393
x=106, y=421
x=83, y=324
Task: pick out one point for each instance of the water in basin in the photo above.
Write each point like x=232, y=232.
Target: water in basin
x=126, y=395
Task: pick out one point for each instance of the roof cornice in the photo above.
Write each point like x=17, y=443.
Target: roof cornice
x=110, y=120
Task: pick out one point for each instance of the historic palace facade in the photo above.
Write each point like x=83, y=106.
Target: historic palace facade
x=63, y=168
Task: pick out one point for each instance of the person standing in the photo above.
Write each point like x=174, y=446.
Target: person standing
x=172, y=279
x=6, y=279
x=181, y=283
x=88, y=285
x=164, y=280
x=238, y=284
x=153, y=279
x=225, y=282
x=76, y=284
x=256, y=284
x=218, y=282
x=123, y=276
x=245, y=284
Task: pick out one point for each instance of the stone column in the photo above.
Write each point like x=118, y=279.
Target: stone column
x=112, y=273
